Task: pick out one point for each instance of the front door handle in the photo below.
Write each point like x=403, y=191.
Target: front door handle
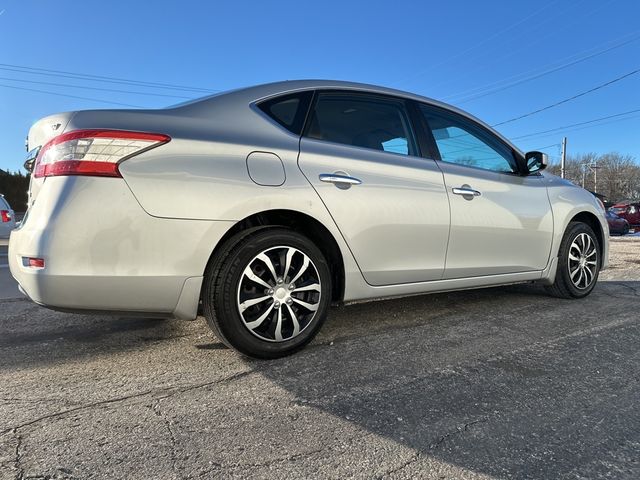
x=466, y=191
x=339, y=179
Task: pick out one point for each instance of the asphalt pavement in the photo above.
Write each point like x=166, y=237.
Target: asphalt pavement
x=494, y=383
x=8, y=287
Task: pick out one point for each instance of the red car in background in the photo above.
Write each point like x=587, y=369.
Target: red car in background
x=617, y=225
x=630, y=211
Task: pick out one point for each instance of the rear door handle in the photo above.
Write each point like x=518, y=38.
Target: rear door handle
x=466, y=191
x=336, y=178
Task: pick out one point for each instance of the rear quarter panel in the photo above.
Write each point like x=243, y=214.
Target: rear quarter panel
x=201, y=174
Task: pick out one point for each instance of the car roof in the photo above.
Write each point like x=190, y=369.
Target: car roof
x=260, y=92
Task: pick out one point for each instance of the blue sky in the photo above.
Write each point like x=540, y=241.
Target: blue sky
x=449, y=50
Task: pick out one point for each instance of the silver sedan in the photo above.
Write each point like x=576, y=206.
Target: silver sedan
x=263, y=206
x=7, y=218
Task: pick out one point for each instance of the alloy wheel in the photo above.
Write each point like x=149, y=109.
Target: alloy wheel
x=279, y=294
x=583, y=261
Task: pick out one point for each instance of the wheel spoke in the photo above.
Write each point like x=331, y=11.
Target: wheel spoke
x=593, y=252
x=303, y=268
x=573, y=257
x=313, y=287
x=588, y=276
x=287, y=264
x=279, y=326
x=306, y=305
x=257, y=322
x=294, y=319
x=579, y=277
x=254, y=301
x=573, y=274
x=267, y=261
x=254, y=278
x=575, y=246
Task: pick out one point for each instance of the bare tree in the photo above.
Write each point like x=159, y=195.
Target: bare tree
x=618, y=175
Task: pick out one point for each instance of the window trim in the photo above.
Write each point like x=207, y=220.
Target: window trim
x=404, y=102
x=486, y=135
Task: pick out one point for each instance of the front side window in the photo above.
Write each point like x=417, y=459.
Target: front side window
x=362, y=121
x=460, y=141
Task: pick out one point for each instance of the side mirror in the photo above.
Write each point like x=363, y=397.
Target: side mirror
x=31, y=159
x=28, y=165
x=536, y=161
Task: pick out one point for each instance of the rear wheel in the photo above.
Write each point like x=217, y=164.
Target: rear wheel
x=267, y=294
x=578, y=263
x=625, y=230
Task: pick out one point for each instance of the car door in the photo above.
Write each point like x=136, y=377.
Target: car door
x=359, y=152
x=501, y=221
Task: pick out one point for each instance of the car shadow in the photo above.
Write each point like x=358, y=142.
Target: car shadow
x=502, y=381
x=31, y=335
x=505, y=382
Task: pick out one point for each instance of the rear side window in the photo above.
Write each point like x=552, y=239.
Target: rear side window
x=288, y=110
x=366, y=121
x=461, y=141
x=3, y=204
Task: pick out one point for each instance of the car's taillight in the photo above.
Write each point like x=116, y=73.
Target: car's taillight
x=5, y=216
x=92, y=152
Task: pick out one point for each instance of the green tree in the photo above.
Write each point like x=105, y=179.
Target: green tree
x=14, y=187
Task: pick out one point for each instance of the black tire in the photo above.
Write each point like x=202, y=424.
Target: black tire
x=563, y=286
x=625, y=230
x=222, y=294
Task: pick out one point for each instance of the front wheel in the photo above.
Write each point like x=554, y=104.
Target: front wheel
x=268, y=294
x=578, y=263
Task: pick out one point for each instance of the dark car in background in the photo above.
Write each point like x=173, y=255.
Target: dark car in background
x=617, y=224
x=628, y=210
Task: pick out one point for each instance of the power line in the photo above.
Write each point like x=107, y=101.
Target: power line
x=490, y=91
x=548, y=146
x=70, y=96
x=93, y=88
x=577, y=124
x=478, y=44
x=100, y=78
x=515, y=48
x=593, y=125
x=603, y=85
x=617, y=43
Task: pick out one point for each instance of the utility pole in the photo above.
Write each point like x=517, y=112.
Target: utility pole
x=563, y=159
x=595, y=168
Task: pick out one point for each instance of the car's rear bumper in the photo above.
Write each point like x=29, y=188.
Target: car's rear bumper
x=104, y=253
x=6, y=228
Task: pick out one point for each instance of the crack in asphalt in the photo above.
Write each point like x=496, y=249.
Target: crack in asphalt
x=457, y=431
x=434, y=446
x=173, y=390
x=17, y=465
x=174, y=443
